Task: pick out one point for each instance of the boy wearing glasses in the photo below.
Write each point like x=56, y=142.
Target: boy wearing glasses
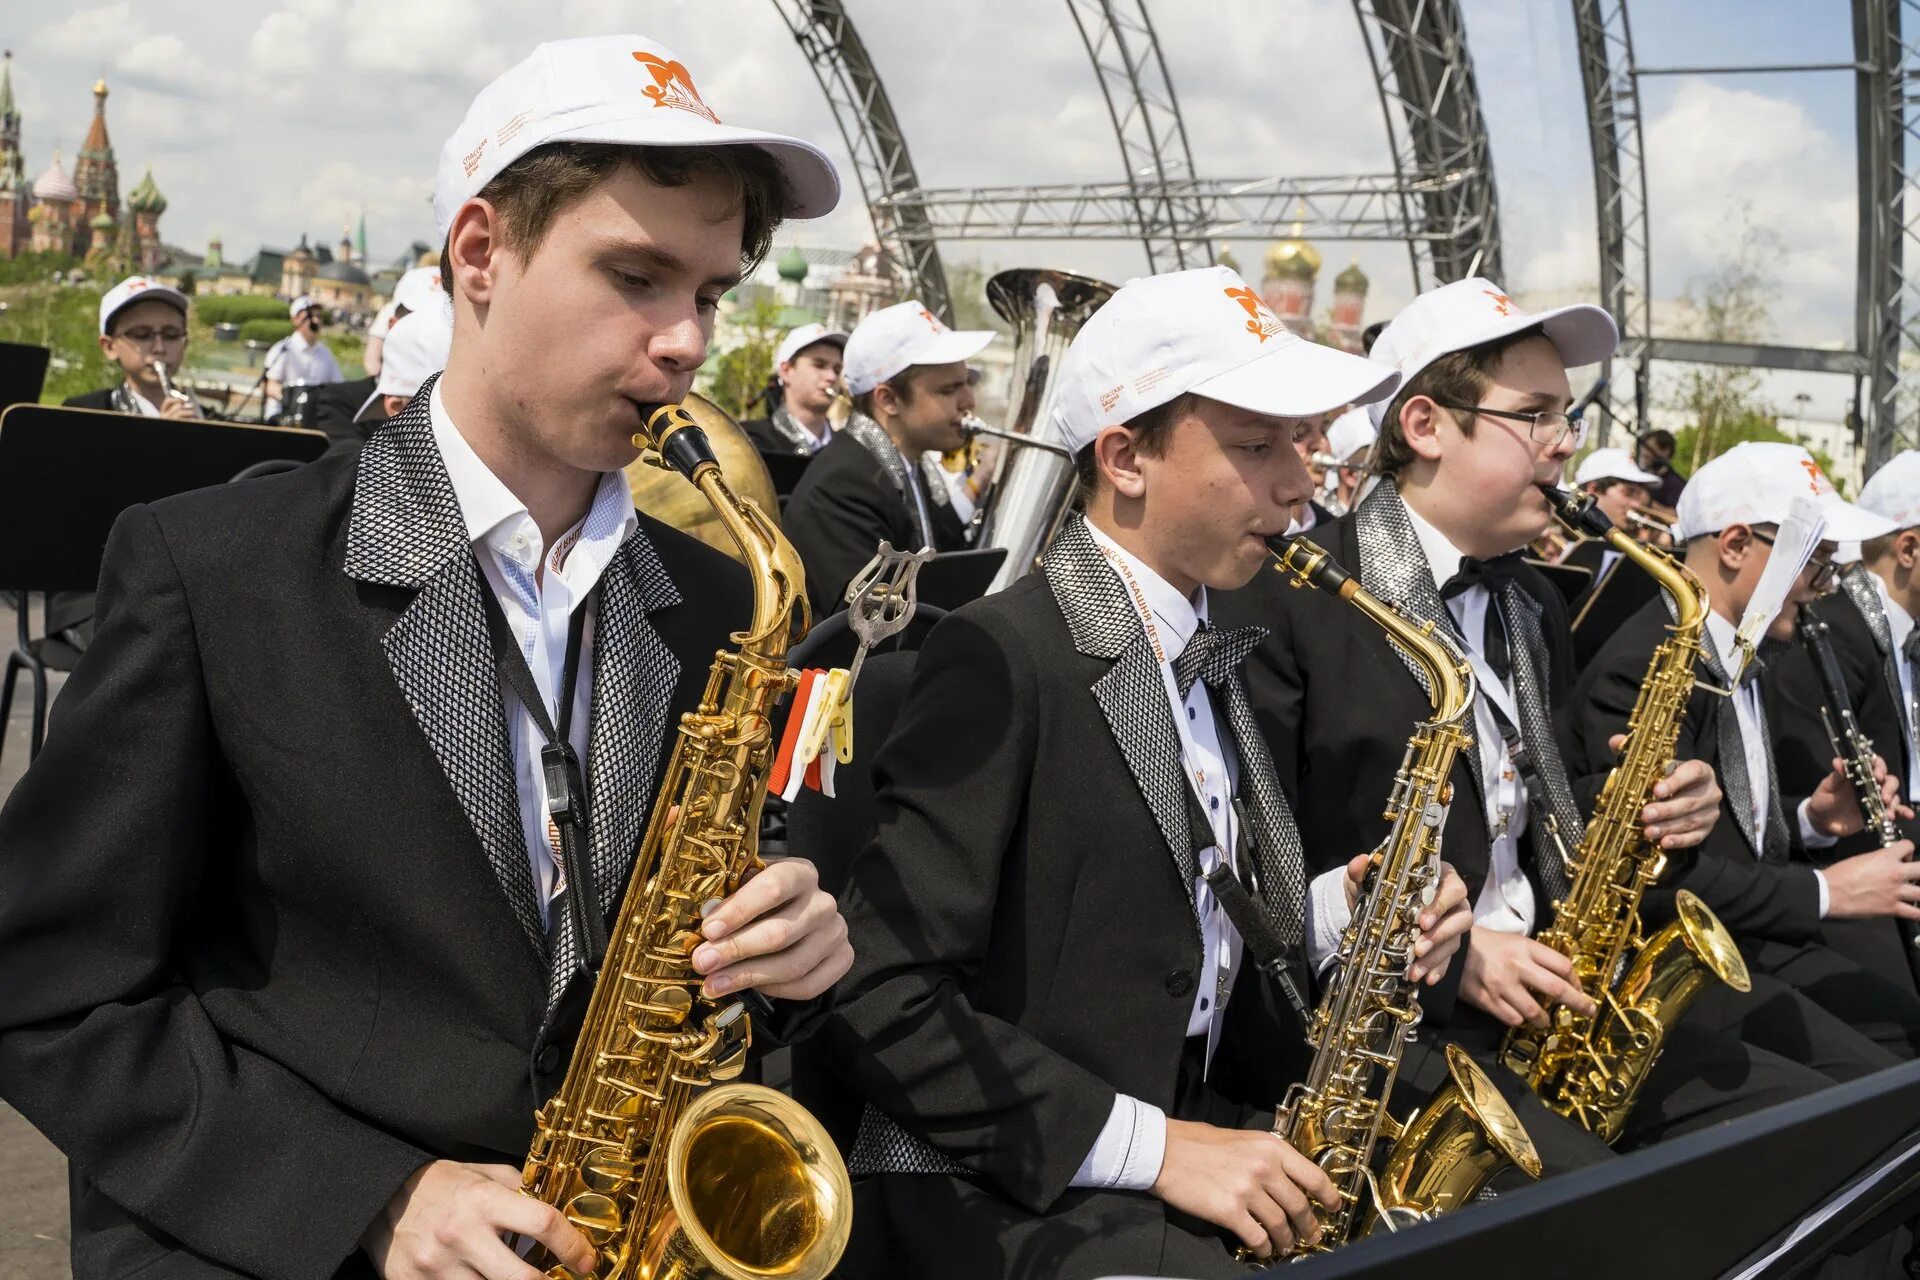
x=1478, y=424
x=142, y=323
x=1759, y=869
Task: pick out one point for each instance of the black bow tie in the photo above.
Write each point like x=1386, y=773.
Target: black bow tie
x=1213, y=656
x=1474, y=572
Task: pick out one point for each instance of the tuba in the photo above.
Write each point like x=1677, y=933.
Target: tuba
x=1034, y=486
x=1590, y=1069
x=1443, y=1155
x=668, y=1171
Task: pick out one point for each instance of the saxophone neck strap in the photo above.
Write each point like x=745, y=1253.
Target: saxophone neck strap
x=559, y=764
x=1261, y=942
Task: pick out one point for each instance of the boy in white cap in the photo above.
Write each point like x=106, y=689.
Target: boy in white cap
x=1870, y=628
x=339, y=408
x=143, y=322
x=1068, y=1048
x=911, y=389
x=286, y=873
x=807, y=364
x=1479, y=422
x=1756, y=868
x=300, y=359
x=1619, y=488
x=1350, y=442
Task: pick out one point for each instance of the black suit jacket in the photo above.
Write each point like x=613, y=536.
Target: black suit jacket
x=265, y=911
x=843, y=508
x=333, y=406
x=1024, y=937
x=1754, y=899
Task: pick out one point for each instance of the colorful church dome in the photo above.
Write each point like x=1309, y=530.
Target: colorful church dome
x=146, y=197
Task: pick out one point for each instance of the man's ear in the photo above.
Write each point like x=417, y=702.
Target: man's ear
x=1119, y=461
x=474, y=245
x=1734, y=543
x=1906, y=548
x=1420, y=427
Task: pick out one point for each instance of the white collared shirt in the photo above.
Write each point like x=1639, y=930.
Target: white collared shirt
x=1899, y=627
x=1756, y=752
x=538, y=602
x=1130, y=1149
x=1506, y=900
x=141, y=405
x=294, y=361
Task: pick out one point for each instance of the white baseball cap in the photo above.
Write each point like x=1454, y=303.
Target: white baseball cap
x=1351, y=432
x=415, y=350
x=1473, y=311
x=1611, y=464
x=625, y=89
x=132, y=290
x=799, y=339
x=1756, y=482
x=1893, y=492
x=299, y=304
x=419, y=290
x=894, y=339
x=1202, y=331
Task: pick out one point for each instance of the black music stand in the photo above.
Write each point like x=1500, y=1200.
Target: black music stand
x=65, y=477
x=1620, y=593
x=1712, y=1203
x=23, y=373
x=1568, y=579
x=952, y=578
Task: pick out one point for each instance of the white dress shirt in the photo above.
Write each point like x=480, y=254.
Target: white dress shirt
x=295, y=361
x=1900, y=625
x=148, y=409
x=1757, y=753
x=1506, y=900
x=1130, y=1149
x=538, y=600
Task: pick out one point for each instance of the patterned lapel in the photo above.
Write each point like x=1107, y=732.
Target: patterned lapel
x=1530, y=685
x=634, y=676
x=1732, y=769
x=405, y=530
x=1393, y=567
x=1132, y=695
x=1857, y=582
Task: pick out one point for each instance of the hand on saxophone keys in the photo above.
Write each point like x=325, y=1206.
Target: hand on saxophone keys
x=449, y=1220
x=1685, y=806
x=780, y=933
x=1516, y=979
x=1251, y=1182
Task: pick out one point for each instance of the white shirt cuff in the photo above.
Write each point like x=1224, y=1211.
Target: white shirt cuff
x=1130, y=1149
x=1813, y=839
x=1327, y=917
x=1821, y=880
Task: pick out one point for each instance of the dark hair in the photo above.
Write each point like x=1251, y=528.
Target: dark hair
x=1150, y=431
x=1459, y=377
x=1660, y=436
x=1875, y=548
x=531, y=192
x=1371, y=334
x=901, y=384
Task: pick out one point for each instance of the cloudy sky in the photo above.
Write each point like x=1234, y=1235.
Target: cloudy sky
x=264, y=119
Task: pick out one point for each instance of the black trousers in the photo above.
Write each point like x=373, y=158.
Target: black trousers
x=1813, y=1006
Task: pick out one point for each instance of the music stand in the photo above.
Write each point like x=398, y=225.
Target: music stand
x=1568, y=579
x=1699, y=1205
x=67, y=474
x=1620, y=593
x=23, y=373
x=785, y=470
x=952, y=578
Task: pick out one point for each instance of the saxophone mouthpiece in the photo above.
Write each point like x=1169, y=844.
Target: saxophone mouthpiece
x=672, y=433
x=1306, y=564
x=1576, y=511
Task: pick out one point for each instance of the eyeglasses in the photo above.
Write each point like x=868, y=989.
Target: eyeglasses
x=1824, y=571
x=143, y=335
x=1549, y=427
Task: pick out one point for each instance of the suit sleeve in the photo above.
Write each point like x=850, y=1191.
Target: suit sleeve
x=111, y=864
x=837, y=527
x=1752, y=898
x=951, y=786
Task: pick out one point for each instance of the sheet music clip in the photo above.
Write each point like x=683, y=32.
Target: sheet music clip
x=882, y=599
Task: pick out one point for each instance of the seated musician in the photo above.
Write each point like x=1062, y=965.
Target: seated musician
x=143, y=323
x=1619, y=489
x=807, y=365
x=1478, y=423
x=339, y=408
x=1756, y=869
x=1869, y=622
x=1070, y=1055
x=1350, y=440
x=911, y=390
x=290, y=944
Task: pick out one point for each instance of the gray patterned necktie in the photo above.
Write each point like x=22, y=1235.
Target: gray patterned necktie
x=1213, y=655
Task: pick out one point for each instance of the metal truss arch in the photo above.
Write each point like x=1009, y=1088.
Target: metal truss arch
x=1146, y=119
x=1441, y=154
x=1887, y=312
x=1604, y=41
x=863, y=111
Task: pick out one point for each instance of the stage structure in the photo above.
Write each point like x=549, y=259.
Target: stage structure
x=1439, y=200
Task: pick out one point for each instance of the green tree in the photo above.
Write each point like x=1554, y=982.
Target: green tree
x=740, y=374
x=65, y=320
x=967, y=286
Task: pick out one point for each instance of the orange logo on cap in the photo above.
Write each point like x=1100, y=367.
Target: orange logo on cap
x=673, y=86
x=1264, y=324
x=1501, y=302
x=1816, y=483
x=933, y=321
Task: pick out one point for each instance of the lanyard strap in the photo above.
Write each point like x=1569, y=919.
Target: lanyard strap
x=559, y=765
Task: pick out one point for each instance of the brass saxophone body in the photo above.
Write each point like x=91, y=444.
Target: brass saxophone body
x=670, y=1173
x=1591, y=1068
x=1443, y=1155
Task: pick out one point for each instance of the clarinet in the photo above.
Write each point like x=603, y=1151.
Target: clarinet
x=1854, y=748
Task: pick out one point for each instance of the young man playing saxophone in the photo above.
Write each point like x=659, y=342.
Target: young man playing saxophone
x=288, y=931
x=1478, y=423
x=1069, y=1053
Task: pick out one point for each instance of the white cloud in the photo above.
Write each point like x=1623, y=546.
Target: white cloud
x=89, y=33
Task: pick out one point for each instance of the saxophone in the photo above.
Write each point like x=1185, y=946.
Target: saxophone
x=1443, y=1155
x=668, y=1172
x=1591, y=1068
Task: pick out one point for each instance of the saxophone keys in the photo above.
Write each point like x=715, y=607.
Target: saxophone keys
x=596, y=1216
x=606, y=1170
